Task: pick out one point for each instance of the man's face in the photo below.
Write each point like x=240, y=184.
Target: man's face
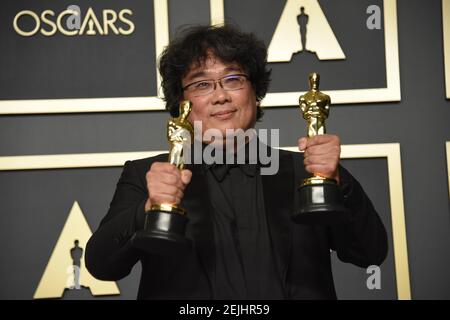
x=221, y=109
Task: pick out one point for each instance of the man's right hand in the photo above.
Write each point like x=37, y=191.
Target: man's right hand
x=166, y=184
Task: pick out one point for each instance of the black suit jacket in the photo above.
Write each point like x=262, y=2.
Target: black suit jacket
x=302, y=253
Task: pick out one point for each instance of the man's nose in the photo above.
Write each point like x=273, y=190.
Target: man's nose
x=219, y=94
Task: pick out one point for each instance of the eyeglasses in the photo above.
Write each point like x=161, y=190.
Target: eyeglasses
x=228, y=83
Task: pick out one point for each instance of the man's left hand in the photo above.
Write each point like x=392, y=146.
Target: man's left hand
x=322, y=154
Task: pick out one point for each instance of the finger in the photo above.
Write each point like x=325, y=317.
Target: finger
x=186, y=176
x=160, y=188
x=166, y=193
x=322, y=139
x=165, y=178
x=302, y=143
x=164, y=167
x=161, y=171
x=323, y=149
x=328, y=159
x=172, y=179
x=317, y=160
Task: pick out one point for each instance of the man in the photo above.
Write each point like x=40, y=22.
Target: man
x=245, y=245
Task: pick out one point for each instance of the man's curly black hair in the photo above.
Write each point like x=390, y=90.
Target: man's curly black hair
x=227, y=43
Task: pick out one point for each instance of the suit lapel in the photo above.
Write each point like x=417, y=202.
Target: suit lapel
x=278, y=200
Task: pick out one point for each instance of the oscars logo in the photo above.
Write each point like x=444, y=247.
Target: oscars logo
x=48, y=22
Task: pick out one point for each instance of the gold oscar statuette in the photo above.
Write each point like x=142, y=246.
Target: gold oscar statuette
x=321, y=198
x=165, y=223
x=179, y=135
